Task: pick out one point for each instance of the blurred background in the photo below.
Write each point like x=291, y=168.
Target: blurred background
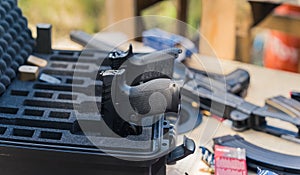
x=90, y=15
x=261, y=32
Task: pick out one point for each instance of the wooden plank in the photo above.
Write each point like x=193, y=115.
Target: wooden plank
x=117, y=11
x=218, y=27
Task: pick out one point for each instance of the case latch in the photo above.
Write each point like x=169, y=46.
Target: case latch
x=188, y=147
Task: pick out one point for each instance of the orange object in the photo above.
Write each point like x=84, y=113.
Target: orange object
x=281, y=49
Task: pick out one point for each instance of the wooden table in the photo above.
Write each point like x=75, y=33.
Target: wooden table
x=264, y=83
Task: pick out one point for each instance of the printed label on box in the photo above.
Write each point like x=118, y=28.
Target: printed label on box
x=230, y=161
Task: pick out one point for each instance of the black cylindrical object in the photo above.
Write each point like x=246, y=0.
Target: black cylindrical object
x=43, y=38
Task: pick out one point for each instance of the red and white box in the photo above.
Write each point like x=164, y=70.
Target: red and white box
x=230, y=161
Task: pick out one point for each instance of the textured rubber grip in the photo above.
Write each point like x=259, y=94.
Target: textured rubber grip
x=155, y=97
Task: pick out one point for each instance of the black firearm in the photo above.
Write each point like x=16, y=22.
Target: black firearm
x=155, y=69
x=138, y=86
x=136, y=68
x=295, y=95
x=243, y=114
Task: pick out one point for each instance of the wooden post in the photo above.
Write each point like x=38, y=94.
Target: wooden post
x=117, y=10
x=243, y=31
x=218, y=28
x=182, y=14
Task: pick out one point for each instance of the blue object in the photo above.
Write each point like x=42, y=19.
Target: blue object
x=160, y=39
x=264, y=172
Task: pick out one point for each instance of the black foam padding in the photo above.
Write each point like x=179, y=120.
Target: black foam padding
x=6, y=6
x=1, y=51
x=16, y=46
x=2, y=30
x=8, y=38
x=28, y=48
x=19, y=11
x=3, y=44
x=4, y=24
x=2, y=12
x=11, y=51
x=10, y=73
x=15, y=40
x=24, y=54
x=23, y=22
x=12, y=3
x=13, y=33
x=17, y=28
x=19, y=60
x=2, y=88
x=15, y=65
x=261, y=157
x=14, y=14
x=20, y=41
x=7, y=58
x=2, y=66
x=5, y=80
x=10, y=20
